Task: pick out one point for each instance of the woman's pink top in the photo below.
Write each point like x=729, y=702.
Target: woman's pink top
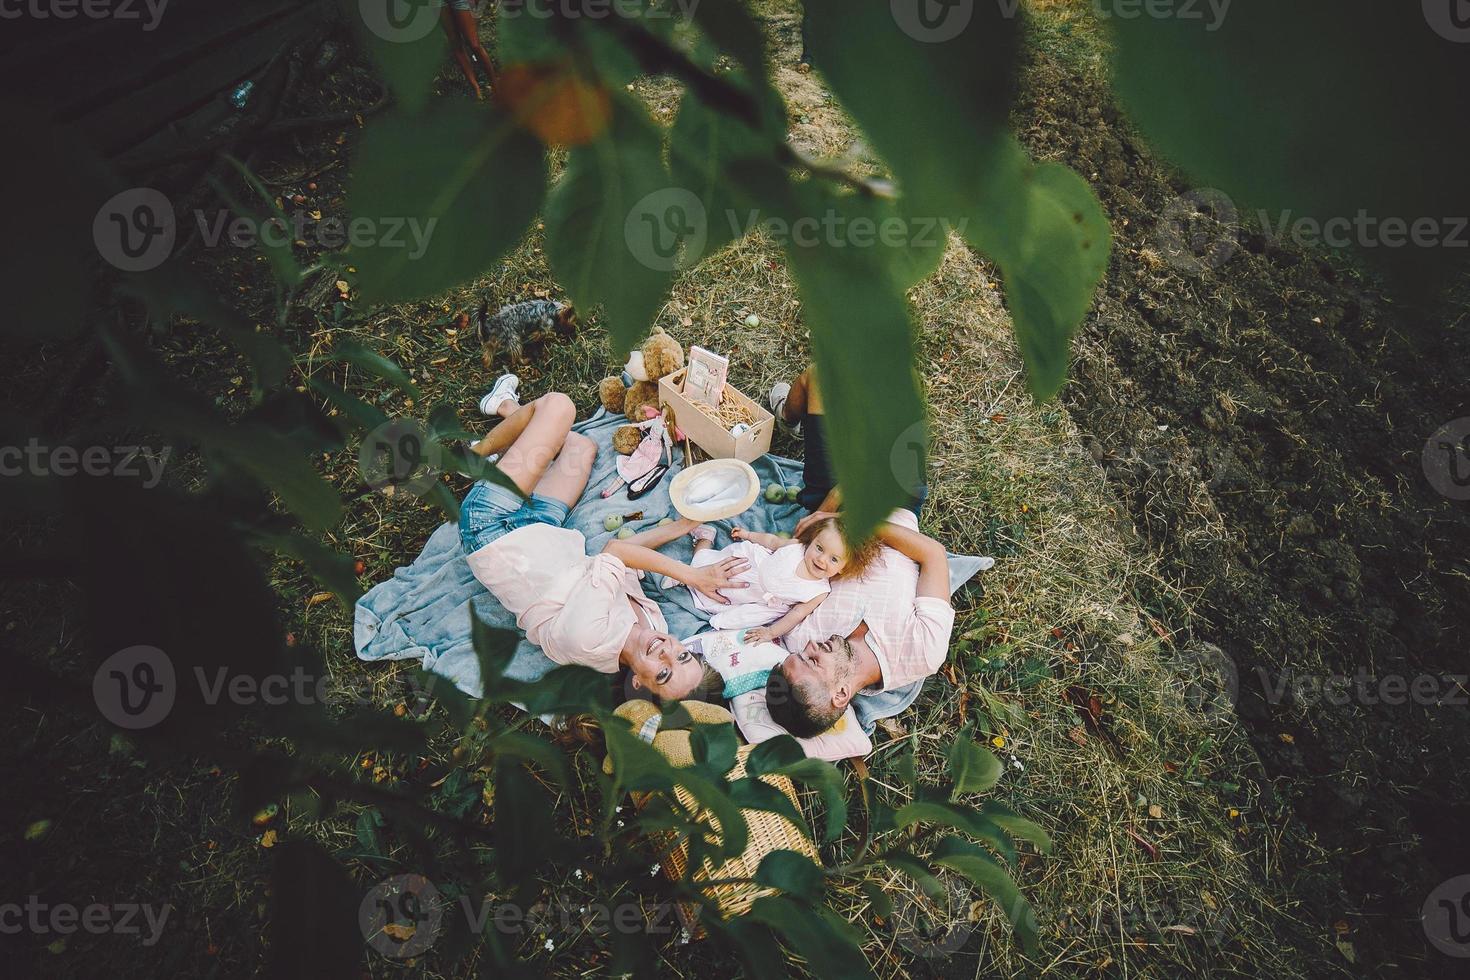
x=573, y=605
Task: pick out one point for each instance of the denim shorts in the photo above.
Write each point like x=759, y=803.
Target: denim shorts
x=490, y=511
x=456, y=4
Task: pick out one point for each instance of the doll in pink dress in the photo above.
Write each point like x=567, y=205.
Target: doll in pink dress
x=787, y=579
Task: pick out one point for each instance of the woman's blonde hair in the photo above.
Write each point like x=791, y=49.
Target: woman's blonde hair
x=859, y=556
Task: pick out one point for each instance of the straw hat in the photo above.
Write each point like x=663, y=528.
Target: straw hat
x=735, y=487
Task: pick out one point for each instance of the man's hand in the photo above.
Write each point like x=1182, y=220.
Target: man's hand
x=710, y=579
x=812, y=518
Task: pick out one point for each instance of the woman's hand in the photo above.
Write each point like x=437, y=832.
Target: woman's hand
x=761, y=634
x=710, y=579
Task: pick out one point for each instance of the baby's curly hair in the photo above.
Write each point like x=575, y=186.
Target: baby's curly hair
x=859, y=556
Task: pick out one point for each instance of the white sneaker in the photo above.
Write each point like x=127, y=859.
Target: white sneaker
x=780, y=391
x=505, y=388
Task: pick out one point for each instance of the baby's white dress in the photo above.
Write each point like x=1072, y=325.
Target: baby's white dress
x=774, y=587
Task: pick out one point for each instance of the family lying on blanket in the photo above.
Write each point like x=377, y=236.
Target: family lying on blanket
x=824, y=626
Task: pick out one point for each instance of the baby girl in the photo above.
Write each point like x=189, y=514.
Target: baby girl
x=787, y=578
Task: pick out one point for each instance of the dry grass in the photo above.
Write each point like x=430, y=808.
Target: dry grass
x=1164, y=859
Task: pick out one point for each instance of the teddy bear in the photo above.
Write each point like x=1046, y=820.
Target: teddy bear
x=660, y=356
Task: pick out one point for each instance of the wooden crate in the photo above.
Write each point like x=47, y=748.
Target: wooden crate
x=707, y=434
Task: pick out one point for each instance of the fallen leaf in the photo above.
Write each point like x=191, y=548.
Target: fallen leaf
x=268, y=839
x=1208, y=899
x=1077, y=735
x=998, y=742
x=1149, y=849
x=1156, y=811
x=401, y=931
x=1288, y=738
x=318, y=598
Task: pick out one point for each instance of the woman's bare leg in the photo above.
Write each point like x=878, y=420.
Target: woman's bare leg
x=449, y=20
x=529, y=453
x=566, y=478
x=469, y=35
x=515, y=419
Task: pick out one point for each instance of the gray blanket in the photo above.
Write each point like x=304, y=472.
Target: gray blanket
x=423, y=611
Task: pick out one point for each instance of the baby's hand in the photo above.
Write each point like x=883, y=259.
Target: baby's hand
x=761, y=634
x=737, y=532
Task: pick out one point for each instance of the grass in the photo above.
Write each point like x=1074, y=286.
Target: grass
x=1166, y=844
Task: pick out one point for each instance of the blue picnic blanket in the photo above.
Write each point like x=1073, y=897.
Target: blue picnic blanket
x=423, y=611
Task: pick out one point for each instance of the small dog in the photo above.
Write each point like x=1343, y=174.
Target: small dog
x=520, y=326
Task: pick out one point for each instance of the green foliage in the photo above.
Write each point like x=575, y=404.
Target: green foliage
x=954, y=157
x=442, y=193
x=586, y=241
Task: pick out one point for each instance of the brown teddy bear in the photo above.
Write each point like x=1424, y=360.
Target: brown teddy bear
x=660, y=356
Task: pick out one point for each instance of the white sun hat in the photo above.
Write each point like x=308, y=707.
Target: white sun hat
x=715, y=490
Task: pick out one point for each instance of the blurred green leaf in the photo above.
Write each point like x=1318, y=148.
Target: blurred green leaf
x=794, y=873
x=958, y=817
x=714, y=748
x=937, y=112
x=769, y=756
x=331, y=568
x=377, y=365
x=828, y=951
x=1016, y=825
x=444, y=192
x=973, y=768
x=1316, y=108
x=752, y=793
x=878, y=898
x=406, y=40
x=593, y=220
x=976, y=864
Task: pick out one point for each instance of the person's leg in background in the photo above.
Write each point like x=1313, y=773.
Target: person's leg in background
x=566, y=478
x=449, y=19
x=469, y=39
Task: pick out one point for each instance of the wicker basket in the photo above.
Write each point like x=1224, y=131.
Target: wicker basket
x=768, y=832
